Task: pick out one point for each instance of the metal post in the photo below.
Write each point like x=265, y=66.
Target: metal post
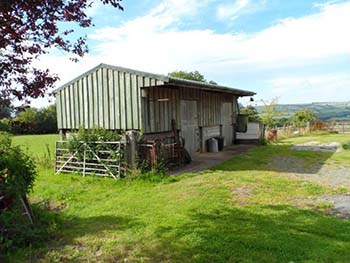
x=84, y=163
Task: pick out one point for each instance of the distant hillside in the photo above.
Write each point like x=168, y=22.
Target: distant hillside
x=326, y=111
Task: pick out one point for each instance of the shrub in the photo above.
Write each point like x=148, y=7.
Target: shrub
x=346, y=146
x=90, y=136
x=17, y=174
x=17, y=169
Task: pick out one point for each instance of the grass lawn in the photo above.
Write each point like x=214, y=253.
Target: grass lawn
x=247, y=209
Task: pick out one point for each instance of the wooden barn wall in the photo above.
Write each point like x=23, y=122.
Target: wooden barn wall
x=162, y=104
x=209, y=105
x=105, y=98
x=159, y=108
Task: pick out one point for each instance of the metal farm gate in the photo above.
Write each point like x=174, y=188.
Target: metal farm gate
x=93, y=158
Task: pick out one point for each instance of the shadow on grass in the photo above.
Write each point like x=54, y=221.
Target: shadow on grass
x=278, y=158
x=55, y=230
x=269, y=234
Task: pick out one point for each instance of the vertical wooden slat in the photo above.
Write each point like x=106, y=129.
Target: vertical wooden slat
x=76, y=88
x=84, y=103
x=64, y=108
x=128, y=101
x=151, y=110
x=68, y=107
x=117, y=100
x=140, y=104
x=59, y=110
x=95, y=100
x=81, y=99
x=106, y=108
x=111, y=100
x=135, y=98
x=101, y=98
x=122, y=100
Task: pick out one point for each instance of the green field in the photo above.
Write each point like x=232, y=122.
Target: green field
x=244, y=210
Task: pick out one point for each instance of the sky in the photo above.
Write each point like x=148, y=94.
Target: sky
x=297, y=51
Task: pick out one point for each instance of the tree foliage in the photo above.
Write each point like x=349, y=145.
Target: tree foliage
x=17, y=169
x=302, y=117
x=270, y=114
x=32, y=121
x=29, y=29
x=191, y=75
x=251, y=112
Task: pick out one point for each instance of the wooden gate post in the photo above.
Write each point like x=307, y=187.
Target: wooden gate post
x=131, y=148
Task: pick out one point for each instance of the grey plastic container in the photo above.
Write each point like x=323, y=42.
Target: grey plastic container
x=213, y=145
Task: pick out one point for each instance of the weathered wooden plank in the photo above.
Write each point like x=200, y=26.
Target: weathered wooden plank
x=89, y=101
x=68, y=107
x=81, y=100
x=111, y=98
x=84, y=103
x=106, y=108
x=152, y=109
x=77, y=86
x=59, y=110
x=100, y=98
x=64, y=108
x=95, y=101
x=139, y=103
x=122, y=100
x=128, y=101
x=135, y=104
x=117, y=99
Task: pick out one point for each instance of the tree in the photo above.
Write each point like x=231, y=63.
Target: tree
x=5, y=108
x=251, y=112
x=302, y=117
x=269, y=114
x=29, y=29
x=191, y=75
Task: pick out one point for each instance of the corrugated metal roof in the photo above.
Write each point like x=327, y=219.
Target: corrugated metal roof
x=166, y=79
x=207, y=86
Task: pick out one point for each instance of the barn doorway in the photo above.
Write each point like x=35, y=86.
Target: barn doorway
x=189, y=125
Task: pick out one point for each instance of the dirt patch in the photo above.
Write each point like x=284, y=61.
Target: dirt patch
x=49, y=205
x=290, y=164
x=317, y=146
x=242, y=194
x=340, y=205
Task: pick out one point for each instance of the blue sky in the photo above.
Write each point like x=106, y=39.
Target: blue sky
x=298, y=51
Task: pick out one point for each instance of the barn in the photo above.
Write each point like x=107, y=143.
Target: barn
x=118, y=98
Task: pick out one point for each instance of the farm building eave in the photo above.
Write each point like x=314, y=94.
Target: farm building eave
x=207, y=86
x=165, y=79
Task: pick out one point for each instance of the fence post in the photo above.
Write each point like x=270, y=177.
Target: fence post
x=131, y=148
x=84, y=164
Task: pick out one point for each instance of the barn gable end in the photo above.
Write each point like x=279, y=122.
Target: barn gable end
x=106, y=96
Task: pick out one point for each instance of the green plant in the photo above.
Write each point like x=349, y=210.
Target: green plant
x=302, y=117
x=346, y=146
x=16, y=231
x=17, y=169
x=17, y=175
x=45, y=161
x=270, y=114
x=252, y=113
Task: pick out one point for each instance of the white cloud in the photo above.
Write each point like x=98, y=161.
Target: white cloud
x=315, y=88
x=233, y=10
x=155, y=43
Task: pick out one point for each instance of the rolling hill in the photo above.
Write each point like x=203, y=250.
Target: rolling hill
x=326, y=111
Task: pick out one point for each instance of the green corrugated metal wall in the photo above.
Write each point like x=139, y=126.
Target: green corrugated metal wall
x=113, y=99
x=105, y=98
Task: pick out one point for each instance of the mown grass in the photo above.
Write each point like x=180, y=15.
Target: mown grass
x=244, y=210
